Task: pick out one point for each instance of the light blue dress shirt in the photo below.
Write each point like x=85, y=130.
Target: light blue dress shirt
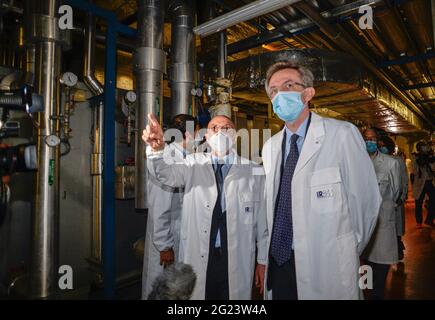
x=302, y=130
x=228, y=161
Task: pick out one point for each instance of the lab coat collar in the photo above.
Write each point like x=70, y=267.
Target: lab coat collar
x=312, y=144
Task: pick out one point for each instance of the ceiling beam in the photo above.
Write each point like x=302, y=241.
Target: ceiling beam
x=346, y=42
x=407, y=59
x=418, y=86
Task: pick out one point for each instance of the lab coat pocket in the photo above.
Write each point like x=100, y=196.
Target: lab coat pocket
x=248, y=203
x=326, y=191
x=383, y=184
x=348, y=260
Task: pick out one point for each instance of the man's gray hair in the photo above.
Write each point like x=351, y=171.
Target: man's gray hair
x=307, y=76
x=176, y=282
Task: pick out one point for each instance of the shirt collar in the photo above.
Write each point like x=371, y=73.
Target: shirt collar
x=227, y=159
x=302, y=130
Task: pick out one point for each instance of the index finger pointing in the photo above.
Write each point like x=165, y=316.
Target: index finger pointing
x=152, y=119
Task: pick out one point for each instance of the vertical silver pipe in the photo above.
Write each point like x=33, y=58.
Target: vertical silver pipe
x=222, y=54
x=149, y=66
x=44, y=32
x=98, y=126
x=182, y=57
x=30, y=65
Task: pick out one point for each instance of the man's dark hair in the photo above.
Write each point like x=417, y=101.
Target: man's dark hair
x=180, y=121
x=419, y=145
x=388, y=143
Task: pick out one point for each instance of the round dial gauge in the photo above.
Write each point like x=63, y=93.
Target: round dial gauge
x=52, y=140
x=130, y=96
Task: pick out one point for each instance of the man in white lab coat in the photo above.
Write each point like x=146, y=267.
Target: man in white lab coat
x=322, y=195
x=223, y=216
x=387, y=146
x=382, y=250
x=164, y=209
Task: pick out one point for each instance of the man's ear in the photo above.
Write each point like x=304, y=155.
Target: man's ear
x=308, y=94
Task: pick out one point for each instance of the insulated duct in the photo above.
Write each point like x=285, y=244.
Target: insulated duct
x=242, y=14
x=344, y=88
x=149, y=66
x=43, y=31
x=98, y=127
x=182, y=57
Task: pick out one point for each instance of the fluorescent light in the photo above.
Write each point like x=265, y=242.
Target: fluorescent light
x=247, y=12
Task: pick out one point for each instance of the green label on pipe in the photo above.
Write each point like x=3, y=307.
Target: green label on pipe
x=51, y=172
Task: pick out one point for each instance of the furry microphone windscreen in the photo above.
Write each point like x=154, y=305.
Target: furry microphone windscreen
x=176, y=282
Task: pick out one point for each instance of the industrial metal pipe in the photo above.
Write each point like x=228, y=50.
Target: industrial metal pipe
x=247, y=12
x=149, y=65
x=222, y=54
x=182, y=57
x=44, y=32
x=98, y=126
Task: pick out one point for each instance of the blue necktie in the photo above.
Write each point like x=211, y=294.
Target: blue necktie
x=282, y=236
x=218, y=206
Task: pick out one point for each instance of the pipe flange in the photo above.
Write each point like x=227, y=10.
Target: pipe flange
x=181, y=72
x=149, y=58
x=44, y=27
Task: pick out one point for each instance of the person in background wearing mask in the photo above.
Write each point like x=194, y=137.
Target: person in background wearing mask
x=422, y=179
x=382, y=250
x=162, y=235
x=387, y=146
x=223, y=216
x=322, y=195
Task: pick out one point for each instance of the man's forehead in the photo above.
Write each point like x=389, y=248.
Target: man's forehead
x=284, y=75
x=220, y=120
x=370, y=132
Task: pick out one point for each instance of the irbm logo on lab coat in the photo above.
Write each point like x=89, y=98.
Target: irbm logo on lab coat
x=326, y=193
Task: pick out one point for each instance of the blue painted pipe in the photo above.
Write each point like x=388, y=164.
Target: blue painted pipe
x=109, y=217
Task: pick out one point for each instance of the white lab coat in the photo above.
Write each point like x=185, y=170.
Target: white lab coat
x=404, y=180
x=163, y=224
x=382, y=247
x=246, y=218
x=329, y=232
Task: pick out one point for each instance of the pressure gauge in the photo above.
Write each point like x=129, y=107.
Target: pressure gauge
x=196, y=92
x=130, y=96
x=69, y=79
x=52, y=140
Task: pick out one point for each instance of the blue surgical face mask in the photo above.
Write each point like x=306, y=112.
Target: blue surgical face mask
x=383, y=150
x=371, y=146
x=288, y=105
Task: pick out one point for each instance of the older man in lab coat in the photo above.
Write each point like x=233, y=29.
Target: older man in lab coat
x=223, y=216
x=164, y=209
x=322, y=195
x=382, y=250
